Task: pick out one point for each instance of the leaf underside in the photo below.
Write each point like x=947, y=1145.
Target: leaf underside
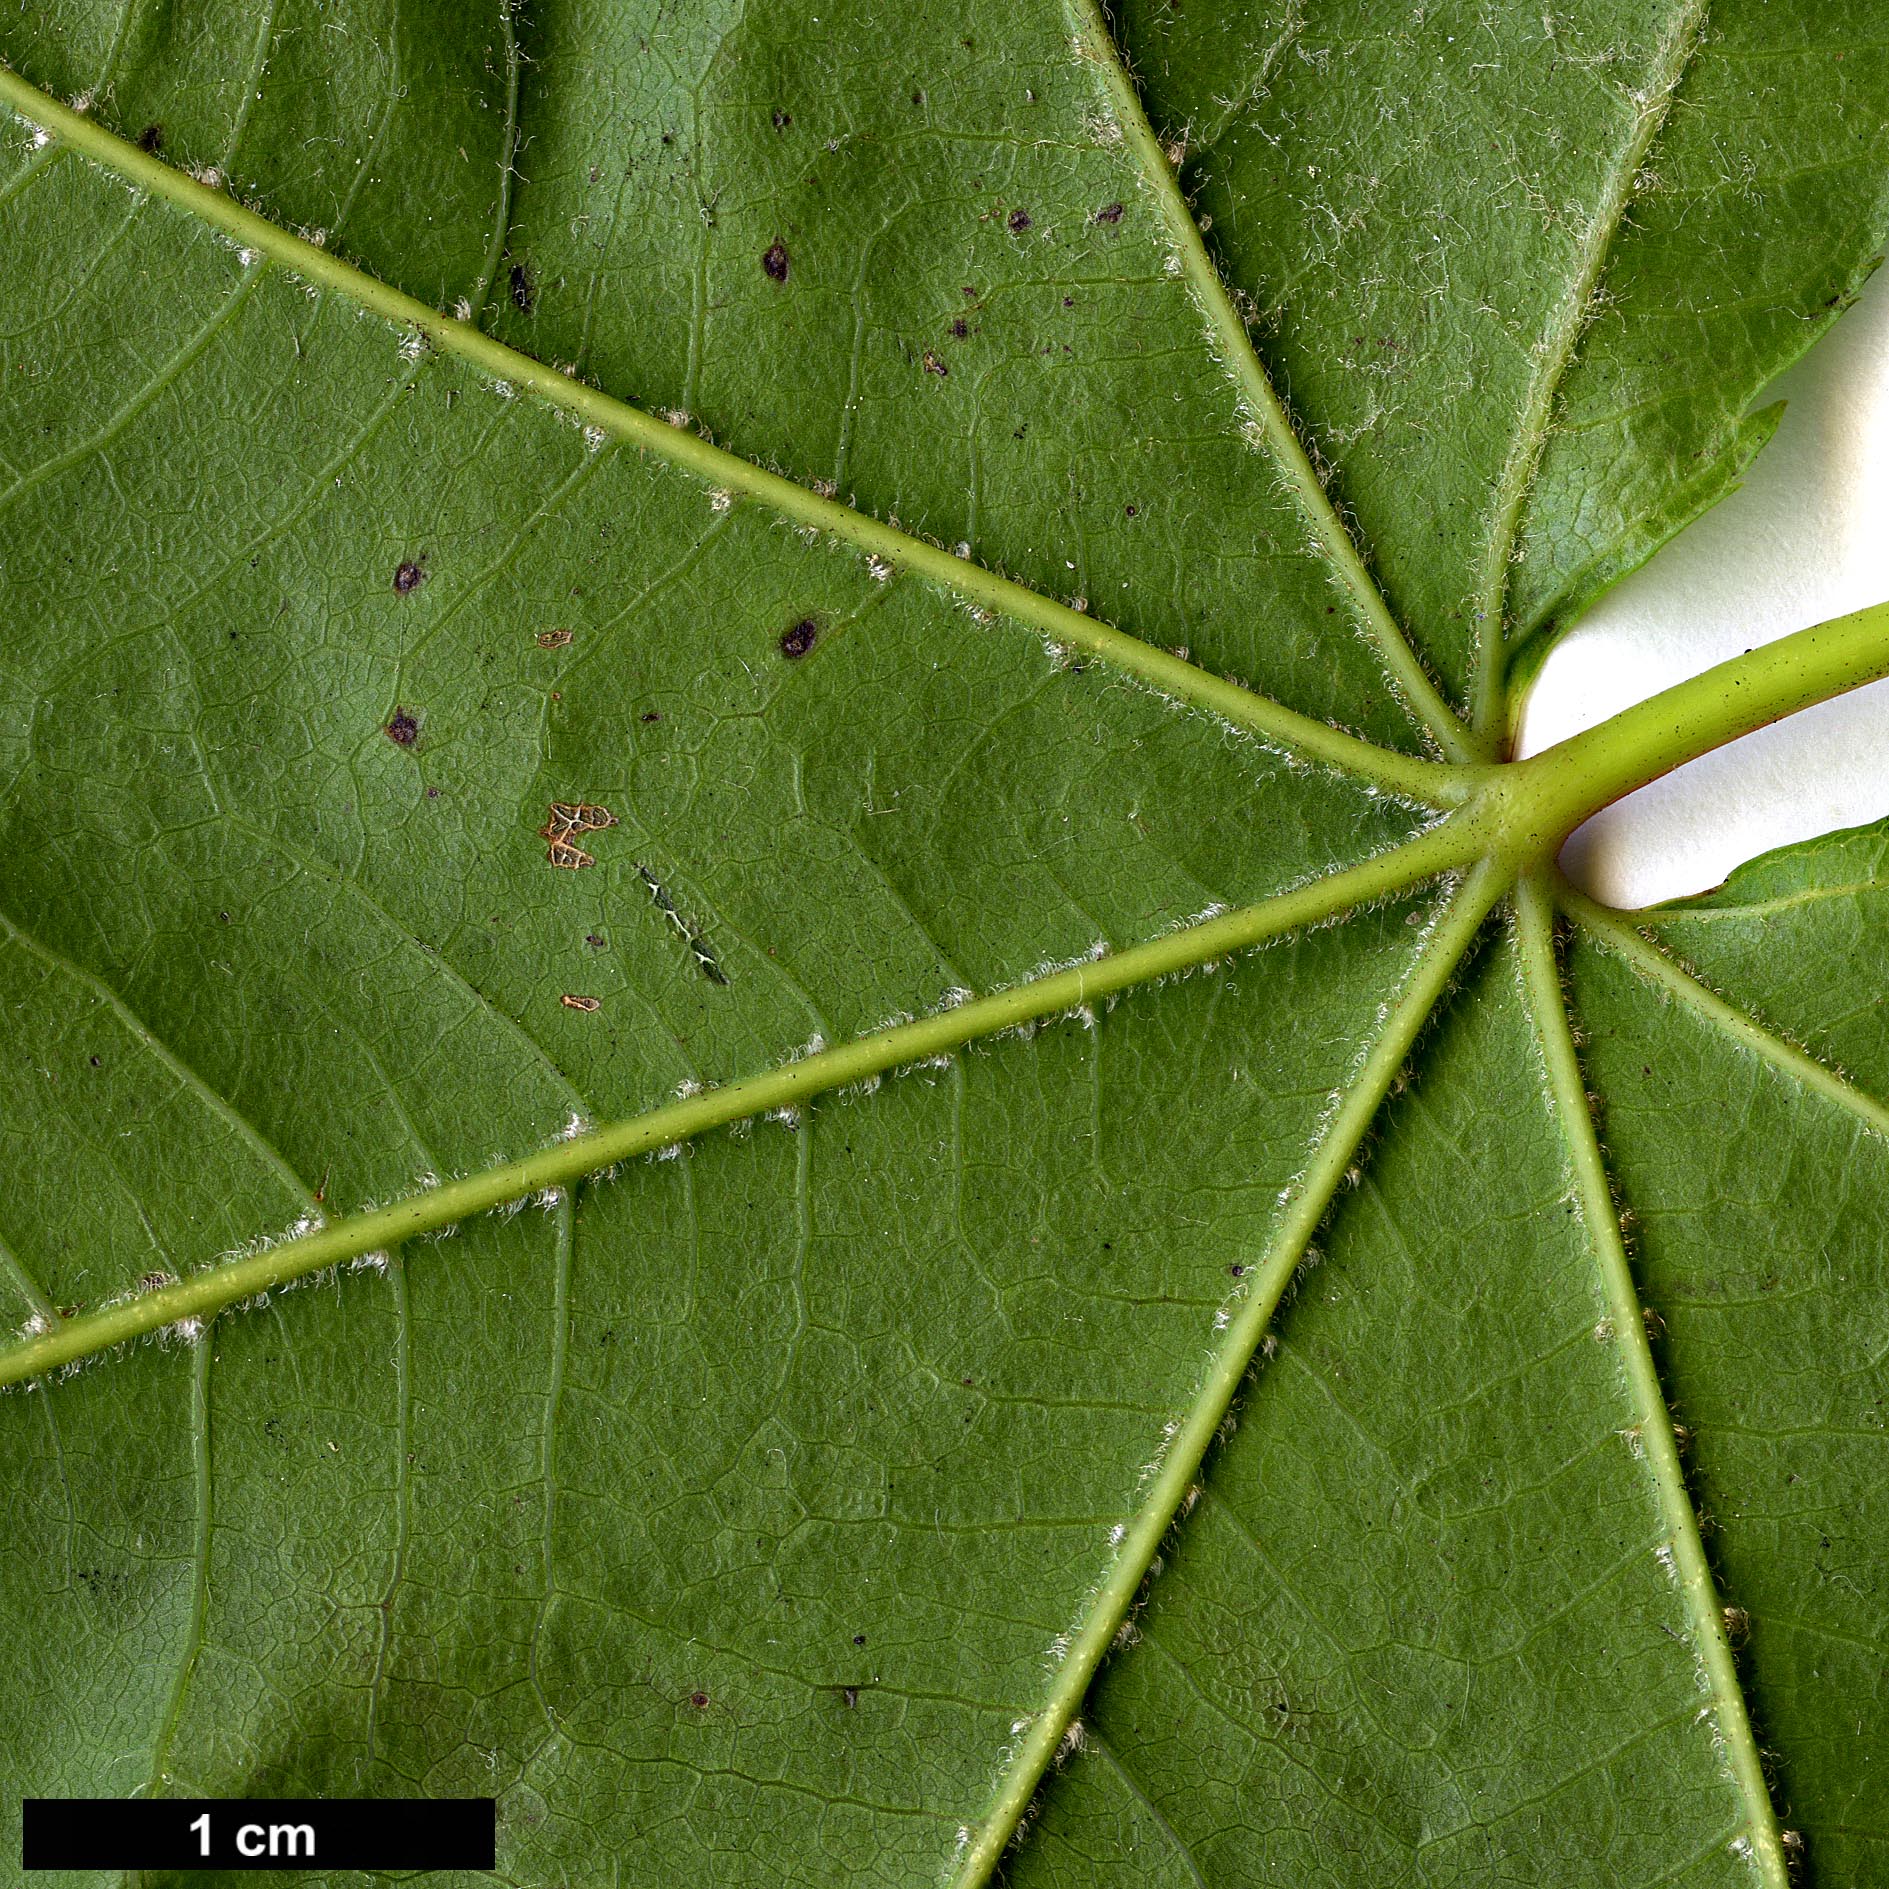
x=732, y=1517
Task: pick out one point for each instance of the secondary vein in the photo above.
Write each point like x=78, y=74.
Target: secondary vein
x=1449, y=937
x=1618, y=935
x=1680, y=1523
x=1296, y=472
x=1425, y=782
x=1445, y=847
x=1555, y=352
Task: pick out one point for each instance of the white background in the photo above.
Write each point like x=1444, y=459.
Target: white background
x=1804, y=539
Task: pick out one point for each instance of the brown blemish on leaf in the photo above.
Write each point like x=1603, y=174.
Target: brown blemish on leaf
x=409, y=576
x=568, y=817
x=1019, y=221
x=151, y=139
x=404, y=729
x=555, y=639
x=933, y=365
x=585, y=1004
x=775, y=261
x=797, y=641
x=1109, y=213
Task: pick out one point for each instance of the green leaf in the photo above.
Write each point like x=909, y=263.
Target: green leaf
x=835, y=687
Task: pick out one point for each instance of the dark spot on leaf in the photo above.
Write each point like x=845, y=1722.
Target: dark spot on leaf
x=933, y=365
x=591, y=939
x=1131, y=511
x=797, y=641
x=404, y=729
x=1020, y=220
x=432, y=793
x=698, y=1700
x=859, y=1639
x=1109, y=213
x=408, y=578
x=849, y=1696
x=775, y=261
x=782, y=120
x=668, y=137
x=151, y=139
x=960, y=328
x=918, y=98
x=524, y=295
x=1237, y=1271
x=1069, y=301
x=93, y=1060
x=652, y=714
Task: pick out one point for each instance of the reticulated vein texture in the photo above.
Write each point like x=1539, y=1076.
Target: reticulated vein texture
x=939, y=595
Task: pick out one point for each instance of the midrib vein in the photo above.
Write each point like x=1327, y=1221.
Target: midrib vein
x=1617, y=935
x=1425, y=782
x=1448, y=938
x=1555, y=353
x=1296, y=473
x=1541, y=976
x=1443, y=848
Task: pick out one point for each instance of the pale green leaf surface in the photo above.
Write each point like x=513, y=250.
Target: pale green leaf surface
x=733, y=1517
x=1424, y=204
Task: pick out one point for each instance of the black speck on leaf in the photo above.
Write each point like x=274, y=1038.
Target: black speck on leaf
x=698, y=1700
x=524, y=295
x=1020, y=220
x=404, y=729
x=652, y=714
x=797, y=641
x=151, y=139
x=775, y=261
x=960, y=328
x=782, y=119
x=408, y=578
x=1109, y=213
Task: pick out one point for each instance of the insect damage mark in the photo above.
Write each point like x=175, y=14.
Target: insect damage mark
x=774, y=261
x=796, y=642
x=571, y=1001
x=409, y=576
x=567, y=818
x=699, y=947
x=403, y=730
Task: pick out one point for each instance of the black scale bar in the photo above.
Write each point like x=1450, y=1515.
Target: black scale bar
x=258, y=1833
